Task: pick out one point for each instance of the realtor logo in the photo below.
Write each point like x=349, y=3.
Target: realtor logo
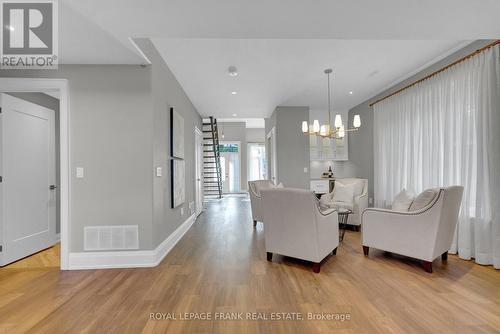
x=29, y=34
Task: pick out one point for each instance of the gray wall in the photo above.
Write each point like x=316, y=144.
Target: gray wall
x=292, y=146
x=236, y=131
x=52, y=103
x=119, y=133
x=111, y=137
x=360, y=162
x=166, y=93
x=255, y=135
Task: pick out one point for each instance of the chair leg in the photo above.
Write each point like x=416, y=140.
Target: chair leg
x=269, y=256
x=427, y=266
x=366, y=249
x=444, y=256
x=334, y=252
x=316, y=267
x=254, y=223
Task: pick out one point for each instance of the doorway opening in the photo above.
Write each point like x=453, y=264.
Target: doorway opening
x=230, y=161
x=30, y=173
x=272, y=156
x=60, y=88
x=257, y=162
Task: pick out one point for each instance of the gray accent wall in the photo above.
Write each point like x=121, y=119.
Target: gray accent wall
x=119, y=133
x=292, y=146
x=166, y=93
x=51, y=103
x=360, y=162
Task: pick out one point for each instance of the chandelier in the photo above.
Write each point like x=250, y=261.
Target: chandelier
x=326, y=130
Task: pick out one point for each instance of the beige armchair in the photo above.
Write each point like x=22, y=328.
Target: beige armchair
x=359, y=201
x=254, y=188
x=423, y=234
x=296, y=227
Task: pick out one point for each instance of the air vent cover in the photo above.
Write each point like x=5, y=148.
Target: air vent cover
x=111, y=237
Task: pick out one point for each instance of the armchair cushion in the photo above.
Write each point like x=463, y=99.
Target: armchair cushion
x=402, y=201
x=423, y=199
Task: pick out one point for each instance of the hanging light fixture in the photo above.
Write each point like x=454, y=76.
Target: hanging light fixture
x=326, y=130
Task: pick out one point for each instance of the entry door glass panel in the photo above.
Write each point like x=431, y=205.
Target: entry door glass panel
x=230, y=167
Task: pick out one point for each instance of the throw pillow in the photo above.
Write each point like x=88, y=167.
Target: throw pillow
x=343, y=193
x=423, y=199
x=402, y=201
x=325, y=201
x=358, y=186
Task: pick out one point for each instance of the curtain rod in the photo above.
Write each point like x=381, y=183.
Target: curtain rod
x=478, y=51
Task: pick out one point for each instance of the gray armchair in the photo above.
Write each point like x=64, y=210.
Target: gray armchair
x=254, y=189
x=296, y=227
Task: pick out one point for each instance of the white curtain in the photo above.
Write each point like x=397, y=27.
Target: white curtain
x=446, y=131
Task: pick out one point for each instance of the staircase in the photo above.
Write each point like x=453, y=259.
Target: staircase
x=212, y=178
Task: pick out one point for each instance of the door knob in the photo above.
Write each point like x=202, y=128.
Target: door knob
x=52, y=187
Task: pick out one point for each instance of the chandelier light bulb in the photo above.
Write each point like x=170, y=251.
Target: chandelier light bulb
x=341, y=131
x=356, y=121
x=338, y=121
x=316, y=126
x=323, y=132
x=305, y=127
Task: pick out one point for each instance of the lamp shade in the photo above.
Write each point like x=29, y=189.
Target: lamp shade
x=341, y=131
x=338, y=121
x=323, y=131
x=305, y=127
x=357, y=121
x=316, y=126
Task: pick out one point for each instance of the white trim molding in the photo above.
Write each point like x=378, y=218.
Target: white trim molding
x=130, y=259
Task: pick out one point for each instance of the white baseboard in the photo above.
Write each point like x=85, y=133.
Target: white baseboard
x=129, y=259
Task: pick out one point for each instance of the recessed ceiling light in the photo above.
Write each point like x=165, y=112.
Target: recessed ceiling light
x=350, y=93
x=233, y=71
x=234, y=115
x=234, y=93
x=11, y=28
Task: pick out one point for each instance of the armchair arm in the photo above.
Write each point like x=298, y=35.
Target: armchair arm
x=405, y=233
x=328, y=231
x=252, y=192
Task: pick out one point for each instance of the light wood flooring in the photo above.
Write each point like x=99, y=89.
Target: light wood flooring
x=220, y=266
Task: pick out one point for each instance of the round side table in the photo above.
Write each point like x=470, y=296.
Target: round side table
x=343, y=215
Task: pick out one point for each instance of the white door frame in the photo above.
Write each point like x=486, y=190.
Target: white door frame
x=198, y=134
x=239, y=158
x=273, y=157
x=21, y=85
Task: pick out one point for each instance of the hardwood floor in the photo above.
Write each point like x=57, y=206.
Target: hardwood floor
x=48, y=258
x=220, y=266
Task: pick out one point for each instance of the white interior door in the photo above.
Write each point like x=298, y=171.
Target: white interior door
x=199, y=171
x=27, y=167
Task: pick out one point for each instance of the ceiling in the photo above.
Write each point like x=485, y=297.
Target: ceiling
x=279, y=46
x=250, y=123
x=98, y=31
x=276, y=72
